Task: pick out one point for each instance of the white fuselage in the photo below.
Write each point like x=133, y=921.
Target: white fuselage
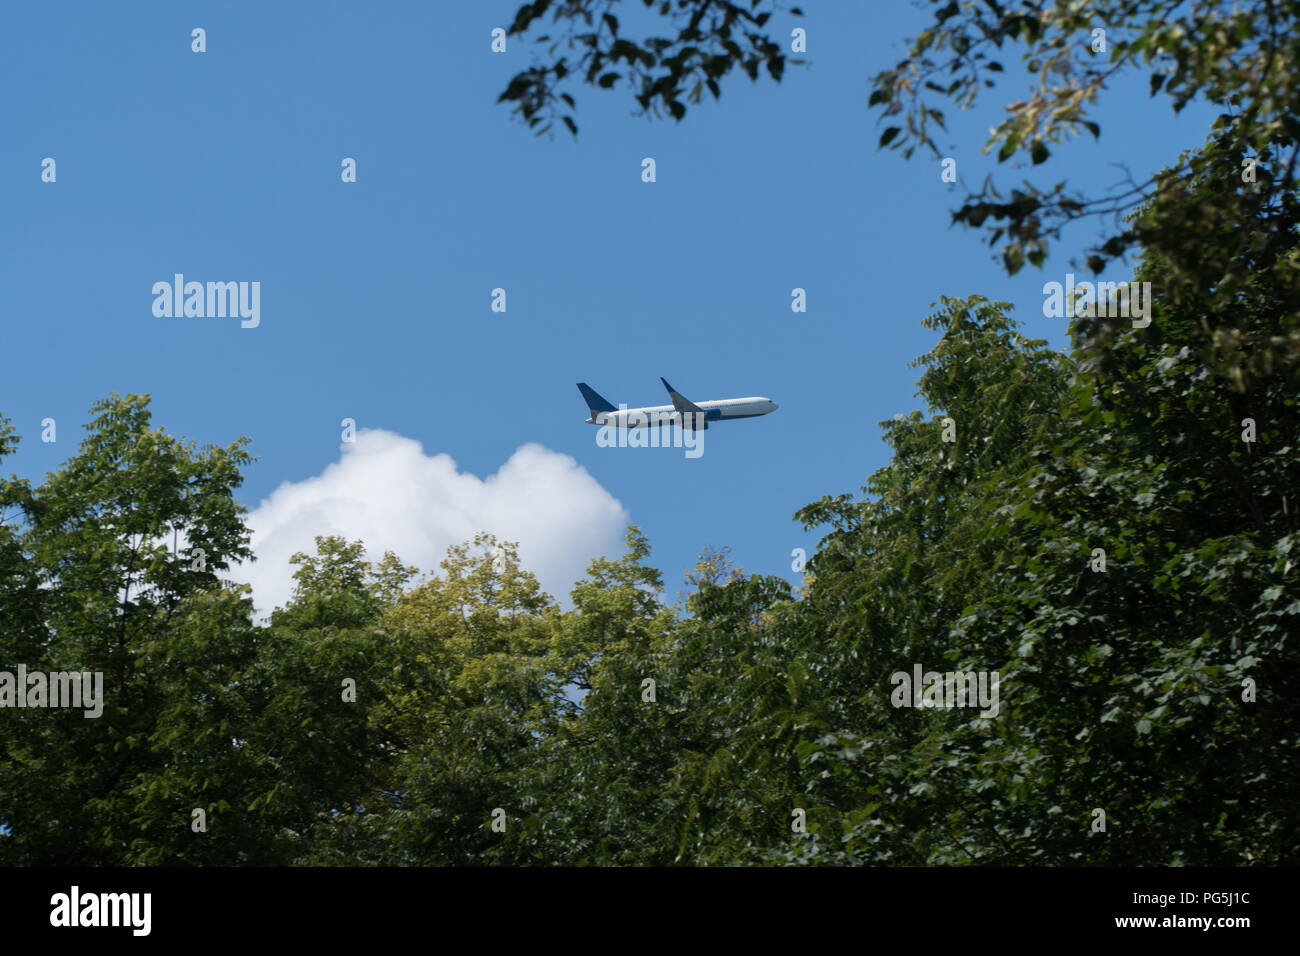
x=721, y=410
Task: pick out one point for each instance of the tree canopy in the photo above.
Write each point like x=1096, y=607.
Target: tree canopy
x=1111, y=532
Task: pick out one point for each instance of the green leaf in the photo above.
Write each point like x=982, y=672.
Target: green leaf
x=1009, y=145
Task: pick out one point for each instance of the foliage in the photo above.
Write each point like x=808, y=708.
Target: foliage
x=489, y=726
x=712, y=38
x=1241, y=58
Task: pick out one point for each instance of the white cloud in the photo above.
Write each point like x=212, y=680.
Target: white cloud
x=386, y=491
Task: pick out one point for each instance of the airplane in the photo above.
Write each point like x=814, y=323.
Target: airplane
x=689, y=414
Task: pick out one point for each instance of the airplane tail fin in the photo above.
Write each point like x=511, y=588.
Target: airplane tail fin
x=594, y=402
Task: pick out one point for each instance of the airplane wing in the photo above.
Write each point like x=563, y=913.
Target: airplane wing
x=686, y=408
x=681, y=403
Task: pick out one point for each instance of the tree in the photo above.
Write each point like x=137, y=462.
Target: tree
x=201, y=711
x=470, y=693
x=600, y=786
x=745, y=700
x=1242, y=59
x=1124, y=564
x=894, y=576
x=95, y=586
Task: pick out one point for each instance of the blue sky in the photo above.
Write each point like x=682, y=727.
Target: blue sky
x=375, y=295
